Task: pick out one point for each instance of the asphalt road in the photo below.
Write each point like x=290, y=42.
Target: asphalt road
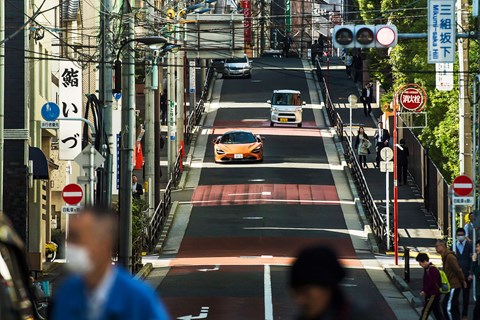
x=248, y=221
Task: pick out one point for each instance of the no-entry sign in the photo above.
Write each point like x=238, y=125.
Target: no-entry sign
x=72, y=194
x=462, y=186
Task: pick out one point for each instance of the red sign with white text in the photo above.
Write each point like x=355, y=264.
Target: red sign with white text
x=412, y=99
x=247, y=21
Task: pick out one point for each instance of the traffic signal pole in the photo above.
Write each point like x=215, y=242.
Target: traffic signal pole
x=2, y=97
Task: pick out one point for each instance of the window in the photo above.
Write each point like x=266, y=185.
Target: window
x=238, y=138
x=287, y=99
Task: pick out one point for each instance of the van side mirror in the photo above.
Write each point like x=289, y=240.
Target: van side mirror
x=304, y=103
x=269, y=101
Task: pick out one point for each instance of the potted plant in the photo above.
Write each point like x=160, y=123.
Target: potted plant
x=50, y=250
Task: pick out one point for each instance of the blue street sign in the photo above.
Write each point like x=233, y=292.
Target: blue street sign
x=50, y=111
x=117, y=96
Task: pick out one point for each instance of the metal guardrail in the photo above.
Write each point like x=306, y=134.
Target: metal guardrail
x=379, y=224
x=161, y=212
x=196, y=114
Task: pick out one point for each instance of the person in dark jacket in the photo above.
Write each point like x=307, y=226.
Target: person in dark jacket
x=476, y=273
x=137, y=188
x=357, y=66
x=382, y=137
x=463, y=252
x=430, y=289
x=367, y=98
x=402, y=163
x=315, y=280
x=164, y=106
x=450, y=303
x=315, y=52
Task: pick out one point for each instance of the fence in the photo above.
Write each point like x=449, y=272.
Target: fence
x=377, y=220
x=161, y=212
x=195, y=115
x=433, y=186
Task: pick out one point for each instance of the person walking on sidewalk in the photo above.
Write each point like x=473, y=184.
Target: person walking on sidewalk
x=464, y=256
x=314, y=52
x=430, y=289
x=164, y=106
x=469, y=228
x=382, y=137
x=367, y=98
x=362, y=144
x=476, y=273
x=450, y=303
x=402, y=156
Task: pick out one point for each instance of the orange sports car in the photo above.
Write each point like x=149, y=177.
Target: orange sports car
x=238, y=146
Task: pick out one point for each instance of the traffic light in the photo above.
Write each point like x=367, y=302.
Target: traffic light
x=364, y=36
x=343, y=36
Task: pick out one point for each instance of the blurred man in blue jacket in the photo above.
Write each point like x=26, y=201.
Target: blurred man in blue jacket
x=97, y=290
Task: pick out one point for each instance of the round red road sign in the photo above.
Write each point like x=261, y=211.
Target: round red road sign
x=462, y=186
x=72, y=194
x=412, y=99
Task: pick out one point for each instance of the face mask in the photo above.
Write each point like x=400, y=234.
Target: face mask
x=461, y=238
x=78, y=259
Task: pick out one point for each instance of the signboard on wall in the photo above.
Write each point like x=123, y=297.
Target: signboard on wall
x=70, y=103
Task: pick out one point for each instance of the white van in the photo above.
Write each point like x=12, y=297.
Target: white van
x=286, y=107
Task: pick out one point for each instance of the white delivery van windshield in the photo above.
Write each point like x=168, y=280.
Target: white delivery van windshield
x=287, y=99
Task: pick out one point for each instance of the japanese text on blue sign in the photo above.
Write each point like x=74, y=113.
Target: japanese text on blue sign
x=441, y=31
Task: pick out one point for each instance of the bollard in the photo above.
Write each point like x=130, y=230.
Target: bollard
x=406, y=272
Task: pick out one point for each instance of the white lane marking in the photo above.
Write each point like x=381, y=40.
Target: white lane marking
x=288, y=163
x=203, y=315
x=256, y=180
x=273, y=200
x=264, y=193
x=359, y=233
x=268, y=293
x=216, y=268
x=347, y=285
x=266, y=256
x=252, y=218
x=72, y=194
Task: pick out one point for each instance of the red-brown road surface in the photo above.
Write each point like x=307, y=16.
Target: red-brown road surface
x=247, y=222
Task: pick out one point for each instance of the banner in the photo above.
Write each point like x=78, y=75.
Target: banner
x=444, y=76
x=70, y=103
x=247, y=21
x=441, y=31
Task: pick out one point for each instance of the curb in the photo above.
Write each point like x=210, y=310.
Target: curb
x=166, y=228
x=144, y=271
x=403, y=287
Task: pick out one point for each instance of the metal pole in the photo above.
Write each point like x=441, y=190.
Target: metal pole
x=180, y=100
x=172, y=130
x=387, y=203
x=303, y=29
x=454, y=218
x=126, y=147
x=395, y=181
x=262, y=26
x=150, y=128
x=192, y=85
x=2, y=98
x=91, y=178
x=105, y=96
x=158, y=134
x=351, y=107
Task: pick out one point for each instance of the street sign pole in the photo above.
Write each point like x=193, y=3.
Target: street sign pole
x=395, y=177
x=454, y=216
x=386, y=155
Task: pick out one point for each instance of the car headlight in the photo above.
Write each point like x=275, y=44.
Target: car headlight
x=219, y=151
x=274, y=109
x=298, y=109
x=257, y=149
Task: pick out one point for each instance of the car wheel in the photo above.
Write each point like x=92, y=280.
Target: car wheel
x=271, y=124
x=261, y=160
x=249, y=76
x=299, y=125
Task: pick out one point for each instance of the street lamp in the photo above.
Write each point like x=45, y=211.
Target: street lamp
x=154, y=42
x=352, y=99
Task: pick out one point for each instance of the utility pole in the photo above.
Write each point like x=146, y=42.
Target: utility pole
x=180, y=100
x=303, y=28
x=172, y=127
x=126, y=142
x=465, y=125
x=2, y=98
x=262, y=26
x=158, y=133
x=105, y=94
x=150, y=125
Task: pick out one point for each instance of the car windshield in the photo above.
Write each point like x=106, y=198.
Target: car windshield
x=288, y=99
x=236, y=60
x=237, y=138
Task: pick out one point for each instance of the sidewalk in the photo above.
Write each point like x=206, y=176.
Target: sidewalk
x=418, y=229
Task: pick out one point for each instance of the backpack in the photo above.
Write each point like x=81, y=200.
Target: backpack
x=444, y=284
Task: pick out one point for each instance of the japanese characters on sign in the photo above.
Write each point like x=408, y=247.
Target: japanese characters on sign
x=444, y=76
x=172, y=122
x=70, y=98
x=441, y=31
x=247, y=22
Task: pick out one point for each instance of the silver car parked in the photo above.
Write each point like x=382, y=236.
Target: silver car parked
x=237, y=67
x=286, y=107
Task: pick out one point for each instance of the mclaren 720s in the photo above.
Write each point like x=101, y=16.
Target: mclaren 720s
x=236, y=146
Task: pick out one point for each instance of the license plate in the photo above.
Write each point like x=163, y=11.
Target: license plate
x=283, y=120
x=238, y=156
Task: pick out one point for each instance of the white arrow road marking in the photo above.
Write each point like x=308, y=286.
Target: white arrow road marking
x=72, y=194
x=203, y=315
x=268, y=293
x=252, y=218
x=217, y=267
x=463, y=185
